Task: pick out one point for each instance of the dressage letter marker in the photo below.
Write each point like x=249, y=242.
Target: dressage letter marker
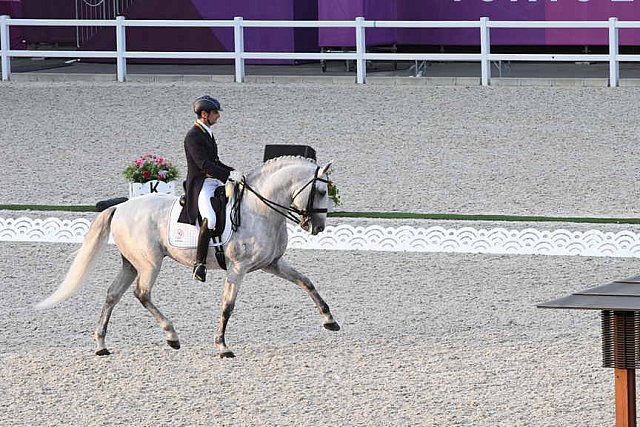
x=619, y=303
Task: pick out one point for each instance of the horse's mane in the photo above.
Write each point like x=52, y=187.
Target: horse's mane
x=282, y=160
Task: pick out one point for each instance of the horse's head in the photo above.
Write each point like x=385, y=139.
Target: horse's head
x=312, y=200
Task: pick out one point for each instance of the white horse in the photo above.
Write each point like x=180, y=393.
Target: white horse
x=281, y=187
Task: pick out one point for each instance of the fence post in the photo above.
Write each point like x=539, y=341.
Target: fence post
x=485, y=49
x=614, y=65
x=4, y=47
x=238, y=40
x=121, y=48
x=361, y=48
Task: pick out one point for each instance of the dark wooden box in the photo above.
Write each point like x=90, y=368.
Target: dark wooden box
x=277, y=150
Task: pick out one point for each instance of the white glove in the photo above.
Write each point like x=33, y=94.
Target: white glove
x=235, y=175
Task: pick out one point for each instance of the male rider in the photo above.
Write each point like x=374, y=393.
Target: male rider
x=205, y=173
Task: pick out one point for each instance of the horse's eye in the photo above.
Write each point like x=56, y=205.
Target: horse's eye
x=321, y=193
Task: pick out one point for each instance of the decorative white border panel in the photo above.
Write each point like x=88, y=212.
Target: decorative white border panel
x=378, y=238
x=25, y=229
x=528, y=241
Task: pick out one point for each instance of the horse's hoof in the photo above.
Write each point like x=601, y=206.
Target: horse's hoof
x=333, y=326
x=103, y=352
x=226, y=354
x=174, y=344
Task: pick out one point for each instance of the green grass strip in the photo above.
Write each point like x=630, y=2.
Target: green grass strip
x=64, y=208
x=380, y=215
x=465, y=217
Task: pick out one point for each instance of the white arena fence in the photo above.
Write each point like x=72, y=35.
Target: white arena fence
x=526, y=241
x=360, y=55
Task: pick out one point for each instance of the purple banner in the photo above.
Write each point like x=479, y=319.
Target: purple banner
x=216, y=39
x=594, y=10
x=470, y=10
x=341, y=10
x=13, y=8
x=49, y=9
x=265, y=39
x=473, y=10
x=312, y=39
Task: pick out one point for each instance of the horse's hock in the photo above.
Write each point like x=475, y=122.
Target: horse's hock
x=619, y=303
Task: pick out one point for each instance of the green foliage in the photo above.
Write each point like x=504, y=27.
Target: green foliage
x=150, y=167
x=334, y=192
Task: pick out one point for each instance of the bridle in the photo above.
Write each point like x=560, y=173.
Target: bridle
x=286, y=211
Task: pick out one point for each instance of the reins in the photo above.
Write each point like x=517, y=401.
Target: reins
x=287, y=211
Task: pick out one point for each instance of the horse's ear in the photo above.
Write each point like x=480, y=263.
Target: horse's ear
x=325, y=169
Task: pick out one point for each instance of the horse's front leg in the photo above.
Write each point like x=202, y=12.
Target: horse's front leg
x=281, y=268
x=229, y=294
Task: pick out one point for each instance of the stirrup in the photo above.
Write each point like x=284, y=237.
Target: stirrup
x=200, y=272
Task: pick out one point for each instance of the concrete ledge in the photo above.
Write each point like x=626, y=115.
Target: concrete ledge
x=629, y=82
x=322, y=79
x=424, y=81
x=512, y=81
x=300, y=79
x=62, y=77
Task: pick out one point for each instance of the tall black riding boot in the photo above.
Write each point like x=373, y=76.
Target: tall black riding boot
x=200, y=267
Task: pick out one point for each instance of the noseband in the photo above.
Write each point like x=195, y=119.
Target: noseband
x=310, y=209
x=287, y=211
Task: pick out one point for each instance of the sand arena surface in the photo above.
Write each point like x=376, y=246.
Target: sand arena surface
x=427, y=339
x=541, y=151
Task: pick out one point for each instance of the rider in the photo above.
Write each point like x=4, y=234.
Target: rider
x=205, y=173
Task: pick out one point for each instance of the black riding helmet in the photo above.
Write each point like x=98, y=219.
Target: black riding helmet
x=206, y=103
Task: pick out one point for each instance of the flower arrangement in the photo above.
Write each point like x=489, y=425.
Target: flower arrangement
x=150, y=167
x=333, y=191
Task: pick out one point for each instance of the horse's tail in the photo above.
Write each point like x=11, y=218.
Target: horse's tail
x=93, y=244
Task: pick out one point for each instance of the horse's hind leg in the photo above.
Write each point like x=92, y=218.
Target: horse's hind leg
x=281, y=268
x=114, y=293
x=146, y=279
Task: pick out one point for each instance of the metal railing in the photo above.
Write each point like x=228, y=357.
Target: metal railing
x=96, y=9
x=360, y=56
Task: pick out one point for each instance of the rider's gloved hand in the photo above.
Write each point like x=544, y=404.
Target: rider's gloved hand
x=235, y=175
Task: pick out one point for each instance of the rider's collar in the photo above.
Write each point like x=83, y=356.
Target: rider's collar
x=204, y=127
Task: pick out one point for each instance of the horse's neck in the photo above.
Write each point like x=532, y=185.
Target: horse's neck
x=275, y=186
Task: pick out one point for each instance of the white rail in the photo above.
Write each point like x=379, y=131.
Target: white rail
x=360, y=55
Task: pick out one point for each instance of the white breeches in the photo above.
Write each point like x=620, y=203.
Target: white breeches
x=204, y=201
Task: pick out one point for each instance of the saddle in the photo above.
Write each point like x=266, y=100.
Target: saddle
x=219, y=204
x=185, y=236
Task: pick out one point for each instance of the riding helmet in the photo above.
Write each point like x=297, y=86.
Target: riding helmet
x=206, y=103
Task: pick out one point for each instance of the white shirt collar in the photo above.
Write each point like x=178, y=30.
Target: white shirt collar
x=205, y=127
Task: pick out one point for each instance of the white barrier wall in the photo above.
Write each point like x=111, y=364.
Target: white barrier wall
x=526, y=241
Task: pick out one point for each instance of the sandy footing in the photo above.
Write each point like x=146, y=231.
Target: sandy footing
x=426, y=339
x=507, y=150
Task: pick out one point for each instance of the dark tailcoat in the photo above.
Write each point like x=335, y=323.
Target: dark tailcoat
x=202, y=162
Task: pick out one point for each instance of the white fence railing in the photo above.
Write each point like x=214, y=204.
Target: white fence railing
x=361, y=56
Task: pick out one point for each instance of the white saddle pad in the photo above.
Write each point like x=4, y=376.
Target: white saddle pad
x=186, y=235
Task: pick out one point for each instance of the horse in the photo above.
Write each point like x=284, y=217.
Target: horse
x=264, y=199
